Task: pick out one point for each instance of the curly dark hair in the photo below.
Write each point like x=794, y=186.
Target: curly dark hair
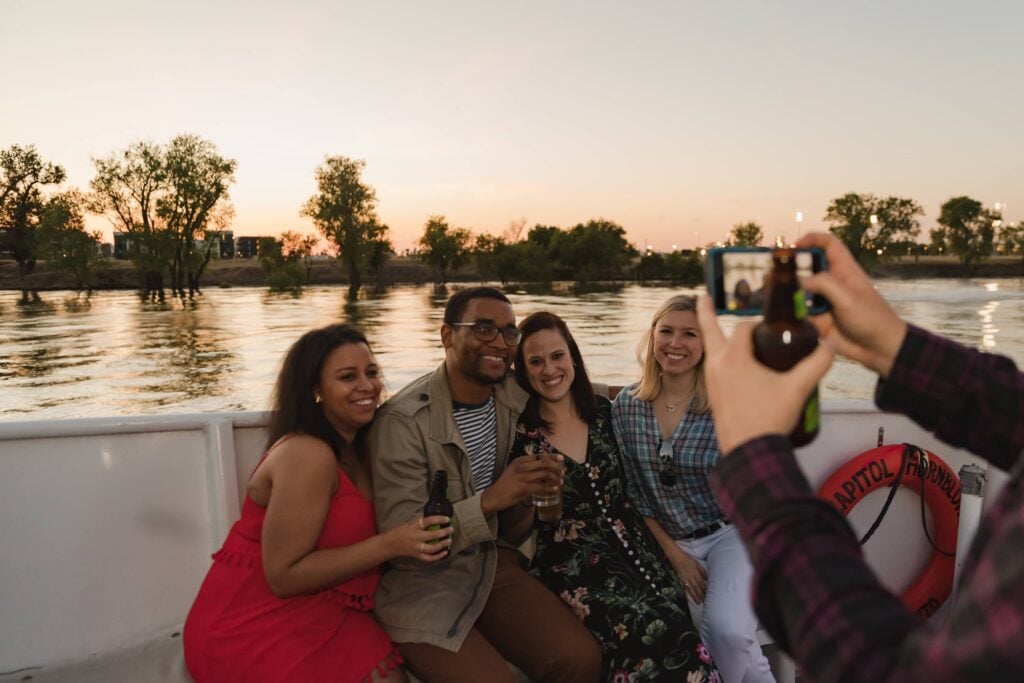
x=294, y=408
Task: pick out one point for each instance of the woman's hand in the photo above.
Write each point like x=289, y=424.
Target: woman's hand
x=417, y=541
x=692, y=575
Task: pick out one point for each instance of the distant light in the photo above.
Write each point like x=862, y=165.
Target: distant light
x=799, y=216
x=874, y=219
x=703, y=252
x=675, y=248
x=879, y=252
x=997, y=222
x=999, y=206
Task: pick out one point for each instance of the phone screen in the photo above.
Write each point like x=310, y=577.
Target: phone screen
x=736, y=278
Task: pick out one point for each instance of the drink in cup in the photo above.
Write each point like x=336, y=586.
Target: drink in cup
x=548, y=504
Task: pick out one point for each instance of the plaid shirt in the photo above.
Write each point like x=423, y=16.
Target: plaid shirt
x=812, y=589
x=689, y=504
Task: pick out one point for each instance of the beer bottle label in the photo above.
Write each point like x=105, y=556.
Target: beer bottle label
x=435, y=527
x=799, y=304
x=811, y=413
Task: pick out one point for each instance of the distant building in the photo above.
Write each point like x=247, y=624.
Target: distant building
x=248, y=247
x=122, y=243
x=6, y=239
x=106, y=249
x=224, y=243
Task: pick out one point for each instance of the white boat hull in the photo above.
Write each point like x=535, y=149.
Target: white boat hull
x=107, y=527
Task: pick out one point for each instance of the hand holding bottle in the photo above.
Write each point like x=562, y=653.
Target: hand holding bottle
x=749, y=399
x=422, y=538
x=864, y=327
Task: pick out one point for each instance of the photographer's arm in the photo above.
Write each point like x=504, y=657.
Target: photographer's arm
x=968, y=398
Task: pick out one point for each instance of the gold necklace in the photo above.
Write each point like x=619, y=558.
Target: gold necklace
x=672, y=406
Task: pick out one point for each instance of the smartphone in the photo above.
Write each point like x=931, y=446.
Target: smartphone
x=736, y=277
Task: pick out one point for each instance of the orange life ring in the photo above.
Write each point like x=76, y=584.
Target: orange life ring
x=877, y=469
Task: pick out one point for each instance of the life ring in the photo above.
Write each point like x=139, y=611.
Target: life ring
x=876, y=469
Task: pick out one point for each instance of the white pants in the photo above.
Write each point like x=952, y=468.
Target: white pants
x=727, y=623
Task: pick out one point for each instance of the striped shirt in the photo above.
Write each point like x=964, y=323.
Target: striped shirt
x=687, y=505
x=476, y=423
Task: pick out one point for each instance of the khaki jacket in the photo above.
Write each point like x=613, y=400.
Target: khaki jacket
x=414, y=435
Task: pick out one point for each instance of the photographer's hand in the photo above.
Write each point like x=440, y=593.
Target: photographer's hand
x=862, y=325
x=749, y=399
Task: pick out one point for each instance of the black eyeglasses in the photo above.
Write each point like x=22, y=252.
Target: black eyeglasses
x=485, y=331
x=667, y=475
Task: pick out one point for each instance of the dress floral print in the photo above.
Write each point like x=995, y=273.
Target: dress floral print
x=604, y=563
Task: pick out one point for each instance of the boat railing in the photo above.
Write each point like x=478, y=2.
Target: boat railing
x=107, y=524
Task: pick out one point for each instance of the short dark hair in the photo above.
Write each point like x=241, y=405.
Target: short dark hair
x=294, y=408
x=582, y=391
x=458, y=301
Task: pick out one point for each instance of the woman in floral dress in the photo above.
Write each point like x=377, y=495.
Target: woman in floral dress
x=600, y=558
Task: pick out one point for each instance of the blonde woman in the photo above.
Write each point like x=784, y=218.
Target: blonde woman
x=667, y=438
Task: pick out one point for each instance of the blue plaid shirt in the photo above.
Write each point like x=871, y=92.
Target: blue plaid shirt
x=689, y=504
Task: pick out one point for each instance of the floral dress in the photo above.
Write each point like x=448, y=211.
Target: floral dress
x=605, y=564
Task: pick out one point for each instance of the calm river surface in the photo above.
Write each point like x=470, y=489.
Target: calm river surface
x=111, y=354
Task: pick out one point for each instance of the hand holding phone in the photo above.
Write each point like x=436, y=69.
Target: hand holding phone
x=736, y=278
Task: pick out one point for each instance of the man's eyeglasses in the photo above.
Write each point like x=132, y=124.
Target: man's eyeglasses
x=667, y=475
x=485, y=331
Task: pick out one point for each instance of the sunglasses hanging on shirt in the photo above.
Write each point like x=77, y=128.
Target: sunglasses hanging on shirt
x=667, y=475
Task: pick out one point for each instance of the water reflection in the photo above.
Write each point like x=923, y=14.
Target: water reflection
x=108, y=354
x=182, y=347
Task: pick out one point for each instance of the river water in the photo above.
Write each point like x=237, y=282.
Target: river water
x=69, y=356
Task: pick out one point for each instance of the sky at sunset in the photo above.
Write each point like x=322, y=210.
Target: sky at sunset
x=675, y=119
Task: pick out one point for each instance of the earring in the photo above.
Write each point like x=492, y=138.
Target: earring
x=318, y=399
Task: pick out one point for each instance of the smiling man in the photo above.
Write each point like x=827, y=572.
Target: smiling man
x=459, y=619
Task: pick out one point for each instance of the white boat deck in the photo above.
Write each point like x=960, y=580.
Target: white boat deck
x=108, y=525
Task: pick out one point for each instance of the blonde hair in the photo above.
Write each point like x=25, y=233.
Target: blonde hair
x=650, y=372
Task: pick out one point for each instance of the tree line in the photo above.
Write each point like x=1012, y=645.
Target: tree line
x=172, y=201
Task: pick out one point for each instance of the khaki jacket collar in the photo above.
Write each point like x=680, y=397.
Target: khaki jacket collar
x=507, y=394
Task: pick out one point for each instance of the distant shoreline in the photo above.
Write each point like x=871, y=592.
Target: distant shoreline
x=116, y=274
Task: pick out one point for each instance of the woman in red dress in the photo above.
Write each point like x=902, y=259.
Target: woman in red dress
x=290, y=594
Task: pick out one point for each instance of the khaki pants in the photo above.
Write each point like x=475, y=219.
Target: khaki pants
x=524, y=623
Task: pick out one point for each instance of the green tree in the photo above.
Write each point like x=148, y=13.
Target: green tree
x=299, y=247
x=197, y=178
x=747, y=234
x=344, y=210
x=596, y=249
x=968, y=230
x=1012, y=237
x=488, y=253
x=444, y=247
x=379, y=251
x=127, y=188
x=895, y=220
x=684, y=267
x=23, y=175
x=64, y=243
x=284, y=271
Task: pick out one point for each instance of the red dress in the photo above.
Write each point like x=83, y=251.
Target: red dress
x=237, y=630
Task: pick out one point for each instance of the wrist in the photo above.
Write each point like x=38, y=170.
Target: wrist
x=488, y=505
x=891, y=349
x=389, y=546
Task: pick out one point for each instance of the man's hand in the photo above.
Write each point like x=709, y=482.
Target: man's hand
x=749, y=399
x=862, y=325
x=525, y=476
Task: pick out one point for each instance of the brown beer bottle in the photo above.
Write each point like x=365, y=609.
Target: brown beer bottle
x=785, y=335
x=438, y=503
